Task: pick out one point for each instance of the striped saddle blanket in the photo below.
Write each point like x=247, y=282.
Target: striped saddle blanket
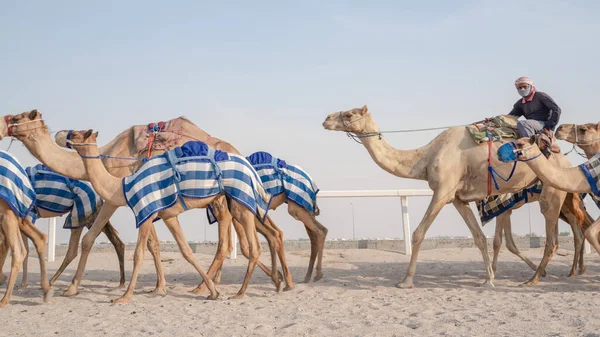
x=280, y=177
x=193, y=171
x=591, y=170
x=59, y=194
x=15, y=187
x=495, y=205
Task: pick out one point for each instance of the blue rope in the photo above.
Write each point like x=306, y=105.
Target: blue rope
x=494, y=173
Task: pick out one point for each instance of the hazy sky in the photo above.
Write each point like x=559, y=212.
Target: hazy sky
x=263, y=75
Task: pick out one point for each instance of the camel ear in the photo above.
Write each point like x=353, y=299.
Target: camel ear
x=598, y=126
x=531, y=140
x=365, y=110
x=87, y=134
x=33, y=114
x=96, y=135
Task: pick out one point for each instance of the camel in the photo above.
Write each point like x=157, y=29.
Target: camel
x=16, y=203
x=570, y=179
x=456, y=169
x=116, y=191
x=122, y=158
x=292, y=185
x=75, y=234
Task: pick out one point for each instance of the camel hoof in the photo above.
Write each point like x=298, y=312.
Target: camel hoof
x=280, y=287
x=2, y=279
x=306, y=279
x=530, y=282
x=581, y=271
x=121, y=285
x=2, y=305
x=199, y=289
x=159, y=290
x=70, y=292
x=48, y=295
x=571, y=274
x=318, y=277
x=543, y=273
x=213, y=297
x=23, y=285
x=288, y=288
x=120, y=300
x=488, y=284
x=405, y=285
x=237, y=297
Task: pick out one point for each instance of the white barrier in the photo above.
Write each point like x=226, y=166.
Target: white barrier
x=402, y=194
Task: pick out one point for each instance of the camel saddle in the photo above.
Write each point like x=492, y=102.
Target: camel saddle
x=505, y=126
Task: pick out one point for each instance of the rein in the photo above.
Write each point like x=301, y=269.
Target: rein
x=358, y=136
x=100, y=156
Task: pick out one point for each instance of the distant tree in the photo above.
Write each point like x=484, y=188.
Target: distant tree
x=564, y=233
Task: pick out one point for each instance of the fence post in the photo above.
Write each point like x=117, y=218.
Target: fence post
x=587, y=249
x=406, y=226
x=51, y=239
x=232, y=232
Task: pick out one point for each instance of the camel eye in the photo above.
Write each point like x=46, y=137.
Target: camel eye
x=583, y=129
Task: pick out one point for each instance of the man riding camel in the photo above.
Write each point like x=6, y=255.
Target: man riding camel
x=539, y=109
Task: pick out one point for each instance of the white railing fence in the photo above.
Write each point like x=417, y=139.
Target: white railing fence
x=403, y=195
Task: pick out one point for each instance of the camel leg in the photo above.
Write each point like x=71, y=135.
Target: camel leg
x=550, y=202
x=512, y=247
x=287, y=275
x=244, y=247
x=579, y=240
x=254, y=248
x=480, y=240
x=106, y=211
x=175, y=229
x=439, y=199
x=40, y=240
x=3, y=254
x=25, y=262
x=12, y=237
x=154, y=248
x=113, y=237
x=500, y=224
x=224, y=245
x=71, y=253
x=274, y=249
x=143, y=238
x=318, y=231
x=591, y=234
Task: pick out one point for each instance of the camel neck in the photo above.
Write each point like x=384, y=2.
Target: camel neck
x=569, y=179
x=401, y=163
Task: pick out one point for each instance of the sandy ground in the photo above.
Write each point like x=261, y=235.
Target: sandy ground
x=357, y=297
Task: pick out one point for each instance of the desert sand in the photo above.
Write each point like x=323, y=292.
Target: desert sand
x=357, y=297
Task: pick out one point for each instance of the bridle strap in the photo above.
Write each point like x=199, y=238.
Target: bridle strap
x=358, y=136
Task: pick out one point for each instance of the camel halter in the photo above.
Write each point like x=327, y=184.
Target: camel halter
x=577, y=143
x=71, y=144
x=10, y=126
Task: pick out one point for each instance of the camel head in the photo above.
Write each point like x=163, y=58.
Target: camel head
x=584, y=134
x=22, y=125
x=80, y=141
x=357, y=121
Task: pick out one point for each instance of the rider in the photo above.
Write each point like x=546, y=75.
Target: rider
x=540, y=111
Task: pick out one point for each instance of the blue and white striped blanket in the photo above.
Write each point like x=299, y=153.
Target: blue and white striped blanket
x=15, y=187
x=280, y=177
x=59, y=194
x=193, y=171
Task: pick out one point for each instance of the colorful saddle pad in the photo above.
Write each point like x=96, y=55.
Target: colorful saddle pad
x=503, y=126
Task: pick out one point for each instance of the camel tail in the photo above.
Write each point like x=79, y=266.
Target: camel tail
x=578, y=209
